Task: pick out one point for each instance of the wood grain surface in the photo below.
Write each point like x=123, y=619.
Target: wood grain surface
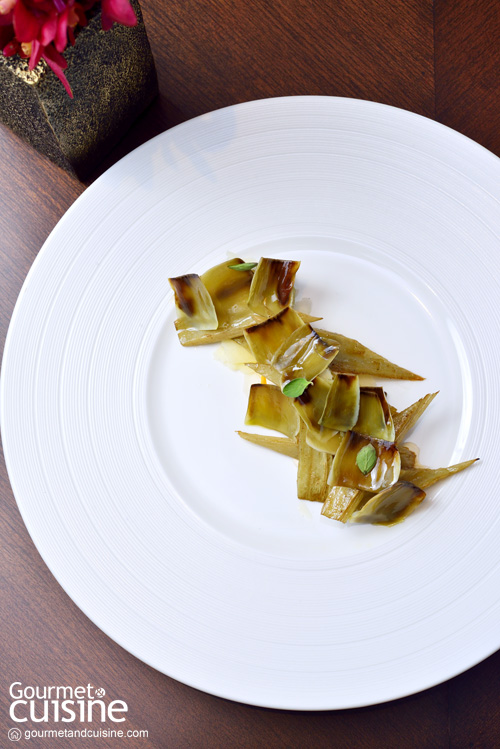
x=438, y=59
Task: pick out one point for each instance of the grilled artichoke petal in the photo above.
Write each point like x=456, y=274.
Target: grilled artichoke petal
x=324, y=440
x=193, y=337
x=229, y=291
x=272, y=286
x=338, y=501
x=391, y=506
x=194, y=304
x=409, y=458
x=356, y=358
x=281, y=445
x=265, y=338
x=424, y=477
x=310, y=406
x=375, y=418
x=303, y=354
x=405, y=420
x=345, y=471
x=313, y=470
x=269, y=408
x=342, y=403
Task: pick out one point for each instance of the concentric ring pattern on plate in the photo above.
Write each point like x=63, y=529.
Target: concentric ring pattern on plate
x=189, y=548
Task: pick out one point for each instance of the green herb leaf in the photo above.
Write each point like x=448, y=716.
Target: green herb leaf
x=366, y=459
x=243, y=266
x=295, y=388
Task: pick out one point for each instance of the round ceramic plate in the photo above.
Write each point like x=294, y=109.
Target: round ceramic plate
x=188, y=545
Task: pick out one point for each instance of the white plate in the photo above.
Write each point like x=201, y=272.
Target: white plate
x=182, y=542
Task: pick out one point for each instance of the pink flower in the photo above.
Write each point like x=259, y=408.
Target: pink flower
x=27, y=22
x=40, y=29
x=6, y=6
x=117, y=10
x=58, y=64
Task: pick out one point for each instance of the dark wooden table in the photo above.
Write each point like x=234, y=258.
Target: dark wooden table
x=440, y=59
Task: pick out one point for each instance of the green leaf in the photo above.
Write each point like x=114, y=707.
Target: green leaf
x=243, y=266
x=295, y=388
x=366, y=459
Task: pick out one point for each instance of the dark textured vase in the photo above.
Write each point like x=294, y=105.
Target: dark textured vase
x=113, y=79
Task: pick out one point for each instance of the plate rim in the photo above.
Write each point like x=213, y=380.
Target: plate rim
x=6, y=358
